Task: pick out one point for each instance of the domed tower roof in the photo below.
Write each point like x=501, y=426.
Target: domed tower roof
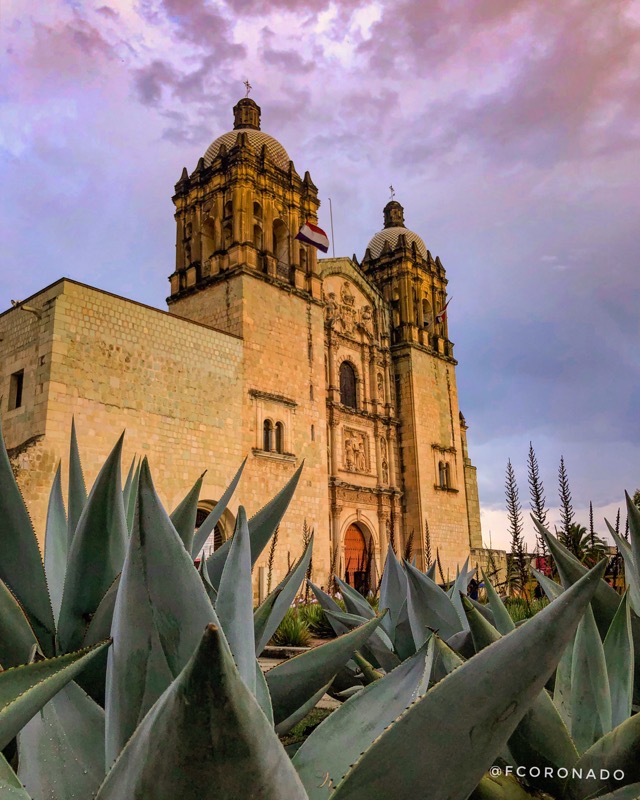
x=393, y=228
x=246, y=115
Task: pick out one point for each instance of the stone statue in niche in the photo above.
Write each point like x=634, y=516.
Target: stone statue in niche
x=384, y=460
x=380, y=387
x=366, y=320
x=385, y=473
x=331, y=309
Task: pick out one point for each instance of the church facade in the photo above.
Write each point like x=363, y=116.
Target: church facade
x=267, y=352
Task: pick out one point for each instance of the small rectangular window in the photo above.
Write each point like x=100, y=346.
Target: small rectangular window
x=15, y=390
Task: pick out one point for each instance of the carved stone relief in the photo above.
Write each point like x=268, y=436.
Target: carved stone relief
x=355, y=451
x=384, y=460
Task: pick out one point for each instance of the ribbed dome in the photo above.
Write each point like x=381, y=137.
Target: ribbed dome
x=256, y=139
x=391, y=235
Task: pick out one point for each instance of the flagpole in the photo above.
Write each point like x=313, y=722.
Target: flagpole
x=333, y=246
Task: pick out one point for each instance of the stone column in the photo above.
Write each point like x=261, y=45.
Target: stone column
x=391, y=447
x=365, y=377
x=237, y=215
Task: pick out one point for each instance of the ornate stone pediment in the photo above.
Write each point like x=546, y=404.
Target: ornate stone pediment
x=345, y=314
x=355, y=451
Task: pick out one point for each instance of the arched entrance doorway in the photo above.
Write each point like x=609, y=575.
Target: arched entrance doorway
x=355, y=558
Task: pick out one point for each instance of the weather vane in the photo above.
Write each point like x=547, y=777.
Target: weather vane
x=248, y=87
x=393, y=192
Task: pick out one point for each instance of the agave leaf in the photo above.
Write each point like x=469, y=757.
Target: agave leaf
x=96, y=553
x=618, y=653
x=549, y=587
x=450, y=721
x=393, y=592
x=329, y=604
x=445, y=660
x=262, y=690
x=590, y=695
x=214, y=516
x=160, y=612
x=261, y=528
x=403, y=638
x=56, y=541
x=605, y=601
x=459, y=589
x=499, y=787
x=293, y=682
x=503, y=622
x=25, y=690
x=300, y=713
x=206, y=736
x=204, y=577
x=131, y=499
x=62, y=747
x=634, y=529
x=21, y=566
x=379, y=647
x=429, y=608
x=234, y=603
x=631, y=792
x=616, y=751
x=17, y=638
x=338, y=741
x=77, y=497
x=431, y=571
x=128, y=484
x=184, y=516
x=541, y=738
x=354, y=601
x=285, y=592
x=10, y=786
x=562, y=685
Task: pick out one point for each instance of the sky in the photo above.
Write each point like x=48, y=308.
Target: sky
x=510, y=130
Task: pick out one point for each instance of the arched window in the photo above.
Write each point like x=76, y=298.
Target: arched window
x=426, y=313
x=257, y=237
x=267, y=435
x=227, y=236
x=442, y=475
x=228, y=209
x=279, y=437
x=257, y=210
x=281, y=249
x=347, y=385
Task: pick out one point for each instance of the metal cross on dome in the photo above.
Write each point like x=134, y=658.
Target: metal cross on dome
x=248, y=87
x=393, y=192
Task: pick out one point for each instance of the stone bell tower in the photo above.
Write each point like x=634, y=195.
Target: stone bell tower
x=240, y=269
x=239, y=212
x=437, y=473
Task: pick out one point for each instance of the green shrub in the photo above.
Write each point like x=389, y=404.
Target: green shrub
x=293, y=631
x=519, y=610
x=313, y=614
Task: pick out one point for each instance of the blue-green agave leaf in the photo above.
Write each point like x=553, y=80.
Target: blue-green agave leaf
x=160, y=612
x=96, y=553
x=16, y=634
x=21, y=566
x=128, y=484
x=339, y=740
x=615, y=753
x=214, y=516
x=590, y=695
x=618, y=653
x=402, y=636
x=300, y=713
x=131, y=498
x=205, y=737
x=378, y=649
x=450, y=721
x=61, y=748
x=549, y=587
x=184, y=516
x=204, y=577
x=431, y=571
x=631, y=792
x=234, y=603
x=429, y=608
x=541, y=739
x=445, y=660
x=502, y=619
x=261, y=528
x=293, y=682
x=10, y=786
x=262, y=690
x=77, y=497
x=285, y=592
x=26, y=689
x=56, y=541
x=393, y=592
x=329, y=604
x=355, y=603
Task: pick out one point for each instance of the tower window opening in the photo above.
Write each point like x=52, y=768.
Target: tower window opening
x=16, y=387
x=257, y=237
x=313, y=433
x=267, y=435
x=348, y=385
x=442, y=475
x=281, y=249
x=279, y=437
x=257, y=211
